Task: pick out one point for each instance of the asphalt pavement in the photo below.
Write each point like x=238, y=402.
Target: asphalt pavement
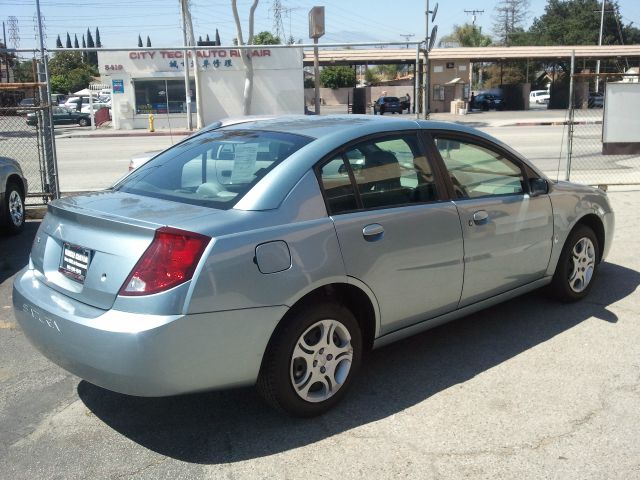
x=528, y=389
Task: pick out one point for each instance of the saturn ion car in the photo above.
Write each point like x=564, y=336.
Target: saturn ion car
x=277, y=252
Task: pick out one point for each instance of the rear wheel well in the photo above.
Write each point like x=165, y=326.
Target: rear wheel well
x=594, y=223
x=344, y=294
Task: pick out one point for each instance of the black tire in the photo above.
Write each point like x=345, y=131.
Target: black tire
x=564, y=286
x=83, y=122
x=280, y=366
x=14, y=212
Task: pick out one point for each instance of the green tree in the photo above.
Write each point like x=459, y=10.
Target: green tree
x=58, y=42
x=72, y=81
x=511, y=16
x=148, y=41
x=467, y=35
x=68, y=44
x=92, y=57
x=23, y=72
x=98, y=41
x=577, y=22
x=370, y=76
x=139, y=40
x=266, y=38
x=84, y=53
x=387, y=72
x=338, y=77
x=68, y=73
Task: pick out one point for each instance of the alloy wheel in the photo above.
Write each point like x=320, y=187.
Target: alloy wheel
x=16, y=208
x=581, y=264
x=321, y=360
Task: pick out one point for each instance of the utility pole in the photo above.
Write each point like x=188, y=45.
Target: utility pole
x=425, y=82
x=6, y=58
x=407, y=37
x=599, y=44
x=473, y=14
x=47, y=114
x=186, y=69
x=196, y=71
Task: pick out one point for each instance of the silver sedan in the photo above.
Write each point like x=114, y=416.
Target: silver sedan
x=277, y=251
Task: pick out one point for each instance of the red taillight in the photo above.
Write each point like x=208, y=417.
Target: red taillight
x=170, y=260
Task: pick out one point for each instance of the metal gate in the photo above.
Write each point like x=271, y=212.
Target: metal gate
x=31, y=145
x=586, y=162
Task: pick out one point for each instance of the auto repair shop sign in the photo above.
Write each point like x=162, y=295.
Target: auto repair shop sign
x=150, y=61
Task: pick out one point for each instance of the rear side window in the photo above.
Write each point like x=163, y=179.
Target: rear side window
x=215, y=169
x=387, y=171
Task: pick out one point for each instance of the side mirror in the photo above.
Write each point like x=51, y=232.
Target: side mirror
x=538, y=186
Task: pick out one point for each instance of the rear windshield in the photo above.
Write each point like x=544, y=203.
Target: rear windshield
x=215, y=169
x=391, y=99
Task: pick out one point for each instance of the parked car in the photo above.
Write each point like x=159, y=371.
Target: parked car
x=488, y=101
x=387, y=105
x=27, y=105
x=539, y=97
x=77, y=103
x=596, y=100
x=256, y=253
x=63, y=116
x=96, y=106
x=13, y=191
x=58, y=98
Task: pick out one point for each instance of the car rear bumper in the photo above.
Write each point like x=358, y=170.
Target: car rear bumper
x=145, y=355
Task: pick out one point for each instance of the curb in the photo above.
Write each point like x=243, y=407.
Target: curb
x=121, y=135
x=564, y=122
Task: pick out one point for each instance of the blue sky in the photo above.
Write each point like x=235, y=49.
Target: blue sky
x=120, y=21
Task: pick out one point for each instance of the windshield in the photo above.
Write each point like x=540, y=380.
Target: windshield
x=391, y=99
x=215, y=169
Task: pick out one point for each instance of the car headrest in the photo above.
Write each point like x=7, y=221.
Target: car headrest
x=379, y=158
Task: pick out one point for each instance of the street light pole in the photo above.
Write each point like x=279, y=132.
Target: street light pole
x=425, y=80
x=599, y=44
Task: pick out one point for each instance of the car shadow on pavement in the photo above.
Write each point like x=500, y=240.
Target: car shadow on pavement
x=231, y=426
x=15, y=249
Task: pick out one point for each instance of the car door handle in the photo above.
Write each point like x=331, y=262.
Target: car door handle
x=480, y=217
x=373, y=232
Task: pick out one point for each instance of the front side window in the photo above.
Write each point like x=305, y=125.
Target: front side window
x=215, y=169
x=388, y=172
x=477, y=171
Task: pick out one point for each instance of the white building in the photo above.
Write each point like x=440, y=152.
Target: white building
x=145, y=82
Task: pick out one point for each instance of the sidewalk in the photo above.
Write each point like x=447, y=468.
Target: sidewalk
x=525, y=118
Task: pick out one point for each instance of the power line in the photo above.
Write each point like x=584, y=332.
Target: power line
x=473, y=14
x=407, y=37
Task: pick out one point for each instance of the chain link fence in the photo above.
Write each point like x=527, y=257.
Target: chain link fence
x=24, y=139
x=588, y=163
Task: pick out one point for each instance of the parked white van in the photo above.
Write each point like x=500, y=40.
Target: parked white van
x=539, y=96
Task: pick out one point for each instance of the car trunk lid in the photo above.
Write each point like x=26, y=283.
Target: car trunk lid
x=87, y=246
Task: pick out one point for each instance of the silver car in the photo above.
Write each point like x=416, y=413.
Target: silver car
x=13, y=191
x=277, y=252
